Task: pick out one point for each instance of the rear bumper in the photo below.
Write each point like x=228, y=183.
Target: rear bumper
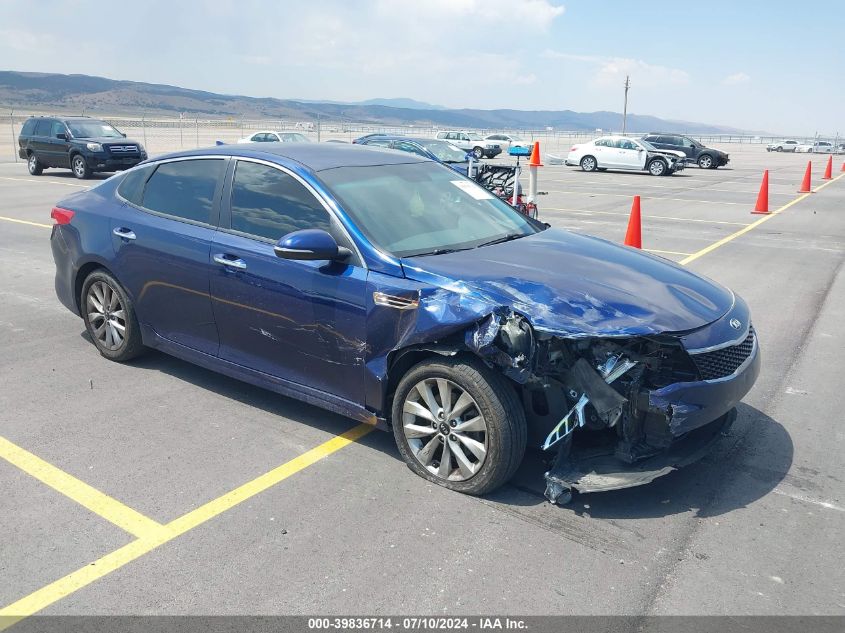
x=65, y=273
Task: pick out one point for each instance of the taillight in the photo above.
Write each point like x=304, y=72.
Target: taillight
x=573, y=148
x=61, y=216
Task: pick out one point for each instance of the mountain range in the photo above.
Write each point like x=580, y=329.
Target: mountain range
x=49, y=92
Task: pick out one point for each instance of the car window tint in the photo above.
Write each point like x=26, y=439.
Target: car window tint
x=379, y=143
x=43, y=127
x=184, y=188
x=28, y=127
x=57, y=128
x=268, y=203
x=409, y=147
x=131, y=188
x=624, y=143
x=651, y=138
x=687, y=142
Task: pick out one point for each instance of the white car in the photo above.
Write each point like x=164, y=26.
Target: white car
x=630, y=154
x=269, y=136
x=819, y=147
x=471, y=142
x=507, y=141
x=786, y=145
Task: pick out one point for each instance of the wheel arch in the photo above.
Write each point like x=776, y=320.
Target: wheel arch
x=82, y=274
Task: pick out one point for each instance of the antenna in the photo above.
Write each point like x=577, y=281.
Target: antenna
x=625, y=110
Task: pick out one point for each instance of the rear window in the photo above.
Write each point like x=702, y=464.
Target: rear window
x=184, y=189
x=28, y=127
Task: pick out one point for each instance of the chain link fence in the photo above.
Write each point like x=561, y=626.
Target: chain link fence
x=162, y=134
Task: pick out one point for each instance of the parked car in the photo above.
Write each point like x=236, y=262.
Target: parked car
x=386, y=287
x=817, y=147
x=361, y=139
x=786, y=145
x=81, y=144
x=440, y=151
x=506, y=141
x=268, y=136
x=622, y=152
x=695, y=152
x=471, y=142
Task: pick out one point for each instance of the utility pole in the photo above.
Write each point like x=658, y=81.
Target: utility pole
x=625, y=110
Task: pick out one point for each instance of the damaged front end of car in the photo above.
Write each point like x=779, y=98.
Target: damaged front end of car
x=621, y=410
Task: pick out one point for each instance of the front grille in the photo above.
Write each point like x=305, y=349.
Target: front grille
x=123, y=149
x=723, y=362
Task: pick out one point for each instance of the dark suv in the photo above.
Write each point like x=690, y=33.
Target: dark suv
x=705, y=157
x=82, y=144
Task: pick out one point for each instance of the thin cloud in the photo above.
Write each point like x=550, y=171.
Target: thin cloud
x=611, y=69
x=736, y=79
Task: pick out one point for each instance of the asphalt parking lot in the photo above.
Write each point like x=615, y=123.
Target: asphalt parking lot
x=157, y=487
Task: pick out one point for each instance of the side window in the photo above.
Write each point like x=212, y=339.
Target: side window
x=273, y=138
x=268, y=203
x=131, y=187
x=624, y=143
x=380, y=143
x=603, y=142
x=28, y=127
x=409, y=147
x=665, y=140
x=686, y=142
x=257, y=138
x=57, y=128
x=43, y=127
x=651, y=138
x=185, y=189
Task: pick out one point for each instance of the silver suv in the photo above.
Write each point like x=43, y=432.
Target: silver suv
x=472, y=142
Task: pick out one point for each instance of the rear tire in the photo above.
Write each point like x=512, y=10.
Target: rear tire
x=778, y=149
x=109, y=317
x=488, y=450
x=589, y=163
x=478, y=153
x=80, y=167
x=34, y=166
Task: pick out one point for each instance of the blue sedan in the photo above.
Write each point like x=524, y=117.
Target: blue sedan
x=388, y=288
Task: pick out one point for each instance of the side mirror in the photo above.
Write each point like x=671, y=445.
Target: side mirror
x=310, y=244
x=123, y=134
x=62, y=135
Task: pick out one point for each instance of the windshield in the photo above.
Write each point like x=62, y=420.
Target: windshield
x=422, y=208
x=92, y=129
x=445, y=152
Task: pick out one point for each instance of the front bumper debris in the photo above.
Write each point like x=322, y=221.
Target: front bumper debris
x=596, y=469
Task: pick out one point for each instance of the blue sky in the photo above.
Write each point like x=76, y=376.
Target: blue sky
x=774, y=66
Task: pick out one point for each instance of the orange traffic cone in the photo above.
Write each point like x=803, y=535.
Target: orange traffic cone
x=843, y=166
x=828, y=170
x=633, y=236
x=534, y=161
x=762, y=205
x=805, y=185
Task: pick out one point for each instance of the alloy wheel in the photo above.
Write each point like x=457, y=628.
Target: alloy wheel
x=657, y=167
x=79, y=167
x=106, y=315
x=705, y=162
x=33, y=163
x=588, y=164
x=445, y=429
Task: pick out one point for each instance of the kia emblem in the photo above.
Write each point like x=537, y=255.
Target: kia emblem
x=736, y=324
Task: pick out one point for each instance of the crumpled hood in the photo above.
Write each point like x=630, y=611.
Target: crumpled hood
x=573, y=285
x=668, y=152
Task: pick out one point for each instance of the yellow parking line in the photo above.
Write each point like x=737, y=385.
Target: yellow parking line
x=97, y=502
x=753, y=225
x=38, y=224
x=46, y=181
x=47, y=595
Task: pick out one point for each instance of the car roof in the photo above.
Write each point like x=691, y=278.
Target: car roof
x=413, y=139
x=314, y=156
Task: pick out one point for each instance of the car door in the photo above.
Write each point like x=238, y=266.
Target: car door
x=41, y=142
x=628, y=154
x=59, y=144
x=300, y=321
x=604, y=152
x=162, y=243
x=688, y=147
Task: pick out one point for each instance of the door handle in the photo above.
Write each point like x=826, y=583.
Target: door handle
x=230, y=260
x=124, y=233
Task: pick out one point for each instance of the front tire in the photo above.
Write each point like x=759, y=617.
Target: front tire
x=706, y=161
x=80, y=167
x=34, y=166
x=109, y=317
x=459, y=424
x=588, y=163
x=657, y=167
